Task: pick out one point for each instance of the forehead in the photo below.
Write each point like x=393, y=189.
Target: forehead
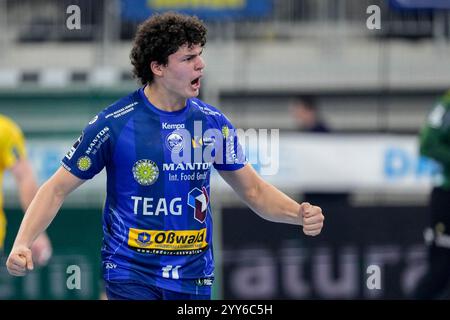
x=186, y=50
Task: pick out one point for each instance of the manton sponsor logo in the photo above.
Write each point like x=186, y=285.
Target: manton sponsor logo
x=186, y=166
x=95, y=144
x=172, y=126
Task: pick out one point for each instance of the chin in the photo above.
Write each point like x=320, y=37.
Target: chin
x=194, y=94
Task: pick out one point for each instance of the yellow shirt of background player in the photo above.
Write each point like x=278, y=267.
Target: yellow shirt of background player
x=12, y=148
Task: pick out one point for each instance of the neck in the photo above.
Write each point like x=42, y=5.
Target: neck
x=162, y=99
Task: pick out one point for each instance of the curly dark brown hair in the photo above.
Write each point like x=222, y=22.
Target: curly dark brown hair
x=160, y=36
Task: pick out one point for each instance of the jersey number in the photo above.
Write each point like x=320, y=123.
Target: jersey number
x=167, y=270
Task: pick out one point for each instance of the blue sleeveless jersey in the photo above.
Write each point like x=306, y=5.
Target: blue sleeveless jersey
x=157, y=222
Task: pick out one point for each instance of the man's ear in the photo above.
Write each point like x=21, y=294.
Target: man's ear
x=156, y=68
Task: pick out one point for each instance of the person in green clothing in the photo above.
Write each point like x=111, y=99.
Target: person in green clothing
x=435, y=144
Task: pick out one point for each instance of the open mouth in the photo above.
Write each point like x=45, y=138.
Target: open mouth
x=196, y=82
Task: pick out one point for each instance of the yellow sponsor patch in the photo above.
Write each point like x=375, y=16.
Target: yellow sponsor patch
x=167, y=240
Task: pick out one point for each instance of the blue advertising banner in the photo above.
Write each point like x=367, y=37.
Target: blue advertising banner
x=420, y=4
x=138, y=10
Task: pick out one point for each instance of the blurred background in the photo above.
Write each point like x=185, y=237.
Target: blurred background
x=353, y=148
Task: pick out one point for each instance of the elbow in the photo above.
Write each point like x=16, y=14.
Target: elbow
x=55, y=190
x=253, y=193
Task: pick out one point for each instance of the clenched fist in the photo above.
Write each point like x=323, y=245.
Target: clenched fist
x=312, y=219
x=19, y=261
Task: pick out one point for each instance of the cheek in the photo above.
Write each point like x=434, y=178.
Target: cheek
x=181, y=73
x=175, y=77
x=174, y=80
x=178, y=77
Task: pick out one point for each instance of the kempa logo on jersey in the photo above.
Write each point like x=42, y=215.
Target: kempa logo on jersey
x=98, y=140
x=172, y=126
x=167, y=240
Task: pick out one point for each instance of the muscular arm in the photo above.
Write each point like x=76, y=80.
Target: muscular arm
x=45, y=205
x=270, y=203
x=39, y=215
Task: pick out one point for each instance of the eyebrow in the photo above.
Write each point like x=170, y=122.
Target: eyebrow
x=193, y=55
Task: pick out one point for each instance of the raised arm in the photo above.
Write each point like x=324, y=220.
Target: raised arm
x=272, y=204
x=39, y=215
